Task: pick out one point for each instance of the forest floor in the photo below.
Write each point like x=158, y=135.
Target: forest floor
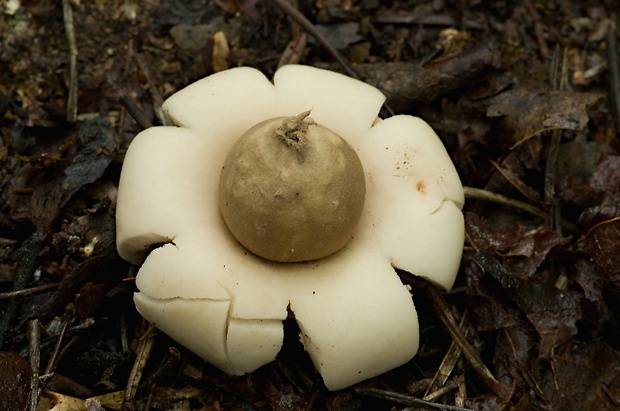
x=525, y=97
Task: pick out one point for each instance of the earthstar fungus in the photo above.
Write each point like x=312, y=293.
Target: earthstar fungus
x=198, y=283
x=292, y=190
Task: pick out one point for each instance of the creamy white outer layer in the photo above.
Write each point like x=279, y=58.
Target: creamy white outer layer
x=206, y=291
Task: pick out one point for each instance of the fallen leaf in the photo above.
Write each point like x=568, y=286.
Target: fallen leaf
x=406, y=84
x=94, y=148
x=340, y=36
x=553, y=313
x=606, y=177
x=579, y=158
x=489, y=304
x=521, y=251
x=603, y=243
x=581, y=374
x=530, y=112
x=15, y=376
x=605, y=181
x=590, y=279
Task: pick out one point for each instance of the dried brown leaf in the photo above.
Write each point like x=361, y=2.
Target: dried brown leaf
x=489, y=305
x=606, y=177
x=88, y=299
x=530, y=112
x=553, y=313
x=603, y=243
x=579, y=158
x=521, y=251
x=295, y=49
x=483, y=236
x=543, y=241
x=605, y=181
x=589, y=279
x=94, y=148
x=191, y=38
x=342, y=35
x=100, y=269
x=582, y=376
x=15, y=375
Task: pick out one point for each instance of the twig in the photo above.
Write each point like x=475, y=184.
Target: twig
x=35, y=361
x=553, y=214
x=442, y=309
x=559, y=77
x=490, y=264
x=157, y=98
x=406, y=399
x=67, y=13
x=440, y=392
x=143, y=353
x=336, y=55
x=461, y=392
x=526, y=376
x=135, y=112
x=51, y=363
x=67, y=348
x=173, y=359
x=614, y=71
x=480, y=194
x=27, y=291
x=123, y=331
x=309, y=28
x=28, y=261
x=534, y=18
x=610, y=396
x=447, y=364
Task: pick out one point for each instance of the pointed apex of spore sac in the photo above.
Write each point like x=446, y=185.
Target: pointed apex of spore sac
x=294, y=130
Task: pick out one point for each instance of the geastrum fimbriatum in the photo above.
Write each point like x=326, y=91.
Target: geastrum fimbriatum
x=232, y=212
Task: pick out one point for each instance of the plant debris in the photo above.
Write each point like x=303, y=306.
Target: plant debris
x=525, y=97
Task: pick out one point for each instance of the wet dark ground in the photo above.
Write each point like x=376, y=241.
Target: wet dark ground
x=525, y=97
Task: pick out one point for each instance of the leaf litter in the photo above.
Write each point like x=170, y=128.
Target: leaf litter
x=536, y=306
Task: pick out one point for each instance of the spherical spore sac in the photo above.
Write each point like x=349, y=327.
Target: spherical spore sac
x=292, y=190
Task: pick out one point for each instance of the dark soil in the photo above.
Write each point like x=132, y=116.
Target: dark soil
x=525, y=96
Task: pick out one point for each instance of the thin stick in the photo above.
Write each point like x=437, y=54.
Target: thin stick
x=51, y=363
x=309, y=28
x=447, y=364
x=480, y=194
x=67, y=348
x=34, y=343
x=406, y=399
x=560, y=73
x=173, y=359
x=134, y=111
x=143, y=352
x=614, y=70
x=457, y=336
x=157, y=98
x=443, y=311
x=67, y=13
x=123, y=330
x=27, y=291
